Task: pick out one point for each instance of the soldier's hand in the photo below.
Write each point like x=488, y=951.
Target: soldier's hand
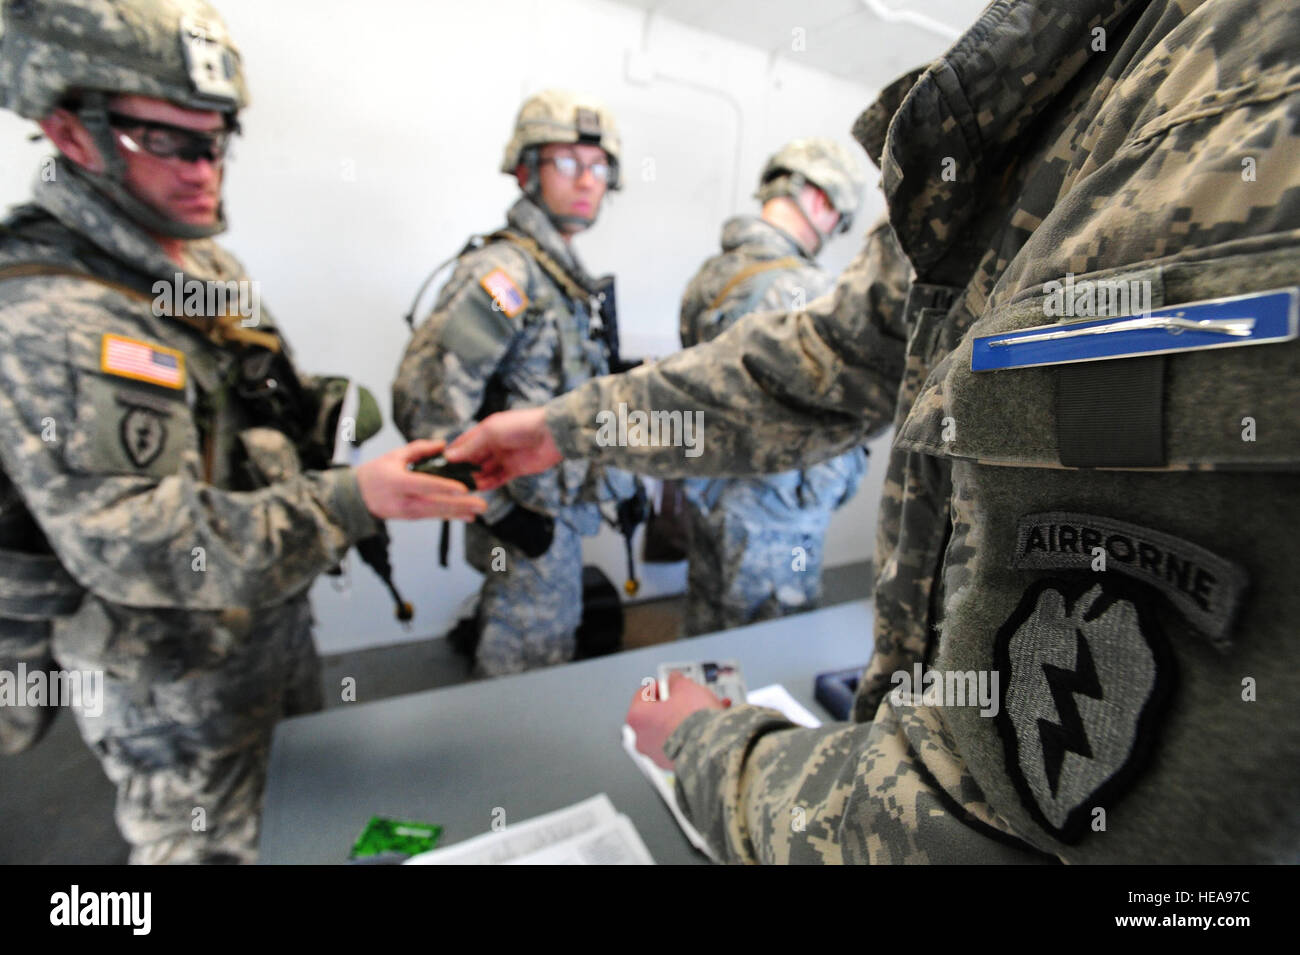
x=391, y=491
x=654, y=720
x=507, y=445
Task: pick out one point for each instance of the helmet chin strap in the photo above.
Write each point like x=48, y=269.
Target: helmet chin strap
x=583, y=222
x=112, y=181
x=557, y=220
x=804, y=213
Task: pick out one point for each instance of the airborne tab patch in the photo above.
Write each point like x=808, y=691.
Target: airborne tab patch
x=1205, y=588
x=506, y=295
x=142, y=361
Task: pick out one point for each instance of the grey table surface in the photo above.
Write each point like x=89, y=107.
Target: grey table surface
x=522, y=746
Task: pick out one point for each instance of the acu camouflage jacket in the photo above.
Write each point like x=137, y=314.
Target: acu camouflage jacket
x=189, y=526
x=1112, y=540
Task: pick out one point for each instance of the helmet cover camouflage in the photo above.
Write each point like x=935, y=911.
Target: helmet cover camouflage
x=175, y=50
x=559, y=116
x=825, y=164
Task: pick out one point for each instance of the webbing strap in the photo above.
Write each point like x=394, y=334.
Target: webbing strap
x=220, y=330
x=749, y=271
x=574, y=289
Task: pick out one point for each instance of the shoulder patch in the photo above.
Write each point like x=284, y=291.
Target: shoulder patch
x=143, y=433
x=1087, y=676
x=506, y=295
x=1207, y=589
x=142, y=361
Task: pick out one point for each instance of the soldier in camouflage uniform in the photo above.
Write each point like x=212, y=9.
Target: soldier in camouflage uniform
x=515, y=325
x=1112, y=537
x=756, y=543
x=164, y=472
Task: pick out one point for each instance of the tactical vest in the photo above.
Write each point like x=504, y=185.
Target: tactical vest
x=765, y=274
x=33, y=584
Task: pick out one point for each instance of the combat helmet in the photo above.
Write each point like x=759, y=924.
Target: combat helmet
x=823, y=163
x=561, y=116
x=79, y=53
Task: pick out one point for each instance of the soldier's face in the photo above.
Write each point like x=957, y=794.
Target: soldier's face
x=819, y=209
x=183, y=191
x=567, y=195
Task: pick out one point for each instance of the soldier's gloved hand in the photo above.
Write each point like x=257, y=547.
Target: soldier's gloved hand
x=389, y=490
x=654, y=720
x=531, y=532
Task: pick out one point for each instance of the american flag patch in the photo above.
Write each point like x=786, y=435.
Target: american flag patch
x=506, y=295
x=141, y=361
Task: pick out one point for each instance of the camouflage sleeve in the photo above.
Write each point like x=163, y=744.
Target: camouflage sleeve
x=762, y=790
x=150, y=533
x=774, y=392
x=831, y=483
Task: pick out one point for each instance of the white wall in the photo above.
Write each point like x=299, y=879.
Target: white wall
x=370, y=154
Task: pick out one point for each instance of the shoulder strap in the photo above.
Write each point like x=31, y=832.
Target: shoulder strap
x=219, y=330
x=748, y=272
x=574, y=289
x=37, y=269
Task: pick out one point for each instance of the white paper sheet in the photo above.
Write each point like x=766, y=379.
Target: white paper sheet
x=778, y=698
x=614, y=843
x=525, y=838
x=663, y=781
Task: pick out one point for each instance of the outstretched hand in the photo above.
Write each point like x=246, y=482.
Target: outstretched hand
x=390, y=490
x=507, y=445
